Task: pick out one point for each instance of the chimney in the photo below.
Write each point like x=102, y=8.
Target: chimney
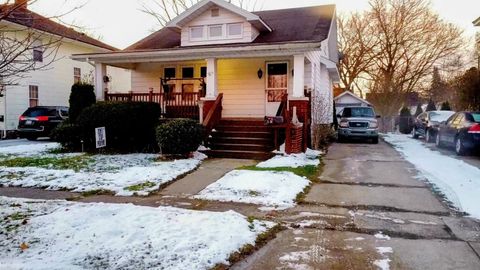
x=21, y=3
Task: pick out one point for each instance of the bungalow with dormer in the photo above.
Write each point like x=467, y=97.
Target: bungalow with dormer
x=245, y=75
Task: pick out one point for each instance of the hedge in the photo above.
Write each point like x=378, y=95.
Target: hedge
x=180, y=136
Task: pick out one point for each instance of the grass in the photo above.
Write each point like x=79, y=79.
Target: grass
x=96, y=192
x=309, y=171
x=75, y=163
x=140, y=187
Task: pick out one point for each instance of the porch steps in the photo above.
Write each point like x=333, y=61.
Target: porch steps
x=242, y=139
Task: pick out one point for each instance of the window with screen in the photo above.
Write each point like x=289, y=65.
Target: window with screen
x=77, y=75
x=169, y=73
x=215, y=31
x=33, y=95
x=234, y=30
x=196, y=32
x=187, y=72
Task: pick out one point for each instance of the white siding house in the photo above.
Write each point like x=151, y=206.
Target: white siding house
x=50, y=86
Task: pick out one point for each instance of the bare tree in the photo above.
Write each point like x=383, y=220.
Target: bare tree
x=407, y=39
x=356, y=43
x=23, y=47
x=165, y=10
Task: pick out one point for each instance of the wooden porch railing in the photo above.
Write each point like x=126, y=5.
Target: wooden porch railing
x=172, y=105
x=214, y=116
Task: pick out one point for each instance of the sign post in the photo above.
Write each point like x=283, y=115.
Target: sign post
x=100, y=137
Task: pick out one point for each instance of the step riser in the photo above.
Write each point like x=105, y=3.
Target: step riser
x=256, y=156
x=242, y=123
x=242, y=134
x=224, y=140
x=241, y=147
x=243, y=128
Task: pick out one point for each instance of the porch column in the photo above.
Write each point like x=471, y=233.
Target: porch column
x=212, y=84
x=298, y=75
x=100, y=85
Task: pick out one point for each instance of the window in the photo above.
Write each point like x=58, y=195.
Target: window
x=196, y=32
x=203, y=72
x=33, y=95
x=234, y=30
x=77, y=75
x=277, y=76
x=37, y=55
x=169, y=73
x=215, y=31
x=187, y=72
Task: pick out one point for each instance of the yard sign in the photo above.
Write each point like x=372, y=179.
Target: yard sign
x=100, y=137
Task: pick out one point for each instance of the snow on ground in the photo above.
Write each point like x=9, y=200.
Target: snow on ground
x=67, y=235
x=28, y=149
x=266, y=188
x=457, y=180
x=310, y=157
x=123, y=175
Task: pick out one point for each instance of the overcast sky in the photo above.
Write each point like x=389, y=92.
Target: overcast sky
x=121, y=23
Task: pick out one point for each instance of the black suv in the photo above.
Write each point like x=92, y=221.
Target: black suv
x=39, y=121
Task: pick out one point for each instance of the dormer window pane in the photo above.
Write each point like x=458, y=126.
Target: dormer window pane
x=235, y=30
x=196, y=32
x=215, y=31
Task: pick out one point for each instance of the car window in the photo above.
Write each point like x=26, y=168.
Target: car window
x=452, y=119
x=459, y=120
x=476, y=117
x=358, y=112
x=64, y=112
x=422, y=116
x=34, y=112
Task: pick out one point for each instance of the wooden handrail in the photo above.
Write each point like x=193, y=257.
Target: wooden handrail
x=214, y=115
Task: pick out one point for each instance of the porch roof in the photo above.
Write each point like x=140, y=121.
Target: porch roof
x=127, y=59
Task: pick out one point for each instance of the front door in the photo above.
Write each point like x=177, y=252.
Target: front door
x=276, y=86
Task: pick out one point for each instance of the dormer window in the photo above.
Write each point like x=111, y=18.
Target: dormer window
x=196, y=33
x=215, y=31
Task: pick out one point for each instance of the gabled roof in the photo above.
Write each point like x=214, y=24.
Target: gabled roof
x=352, y=95
x=204, y=5
x=477, y=22
x=306, y=24
x=30, y=19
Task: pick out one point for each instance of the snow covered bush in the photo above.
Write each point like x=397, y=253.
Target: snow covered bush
x=179, y=136
x=130, y=126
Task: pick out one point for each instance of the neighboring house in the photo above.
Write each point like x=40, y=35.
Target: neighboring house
x=349, y=99
x=247, y=61
x=49, y=86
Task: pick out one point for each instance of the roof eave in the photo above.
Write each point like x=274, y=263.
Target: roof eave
x=477, y=22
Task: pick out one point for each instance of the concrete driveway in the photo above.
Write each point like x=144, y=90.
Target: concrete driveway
x=371, y=211
x=16, y=142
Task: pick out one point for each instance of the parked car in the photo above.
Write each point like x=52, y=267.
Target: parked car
x=358, y=122
x=39, y=121
x=426, y=124
x=462, y=131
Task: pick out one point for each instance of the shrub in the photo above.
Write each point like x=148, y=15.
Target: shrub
x=81, y=97
x=68, y=135
x=419, y=110
x=129, y=126
x=405, y=124
x=180, y=136
x=323, y=134
x=446, y=106
x=431, y=106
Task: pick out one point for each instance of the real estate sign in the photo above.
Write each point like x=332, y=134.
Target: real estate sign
x=100, y=137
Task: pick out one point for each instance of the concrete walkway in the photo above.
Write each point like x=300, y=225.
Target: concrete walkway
x=210, y=171
x=370, y=211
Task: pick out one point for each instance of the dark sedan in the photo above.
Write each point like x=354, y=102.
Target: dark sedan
x=426, y=124
x=39, y=121
x=462, y=131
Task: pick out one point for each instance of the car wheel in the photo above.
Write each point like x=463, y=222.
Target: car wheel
x=459, y=148
x=428, y=136
x=414, y=133
x=340, y=139
x=375, y=140
x=438, y=142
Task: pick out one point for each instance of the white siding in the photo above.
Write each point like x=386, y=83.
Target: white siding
x=322, y=92
x=54, y=82
x=225, y=17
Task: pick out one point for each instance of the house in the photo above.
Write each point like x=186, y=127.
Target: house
x=230, y=68
x=348, y=99
x=477, y=23
x=49, y=86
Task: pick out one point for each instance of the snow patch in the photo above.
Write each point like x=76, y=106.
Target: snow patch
x=382, y=236
x=256, y=187
x=29, y=149
x=457, y=180
x=383, y=264
x=293, y=161
x=383, y=250
x=67, y=235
